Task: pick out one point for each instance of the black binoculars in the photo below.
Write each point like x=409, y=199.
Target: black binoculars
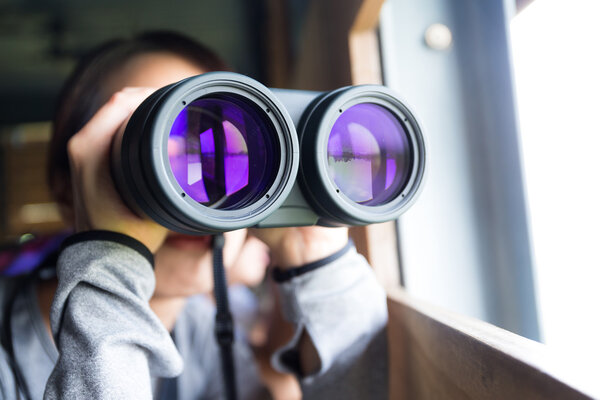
x=220, y=151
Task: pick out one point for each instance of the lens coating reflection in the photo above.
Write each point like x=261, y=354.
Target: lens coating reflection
x=223, y=153
x=369, y=155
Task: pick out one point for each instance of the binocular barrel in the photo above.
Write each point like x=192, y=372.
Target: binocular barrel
x=220, y=151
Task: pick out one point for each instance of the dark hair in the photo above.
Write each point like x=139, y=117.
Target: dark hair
x=82, y=95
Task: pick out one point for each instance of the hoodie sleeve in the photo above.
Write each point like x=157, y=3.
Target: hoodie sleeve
x=342, y=308
x=110, y=342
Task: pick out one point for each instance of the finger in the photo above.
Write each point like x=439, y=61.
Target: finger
x=112, y=114
x=234, y=241
x=133, y=89
x=93, y=141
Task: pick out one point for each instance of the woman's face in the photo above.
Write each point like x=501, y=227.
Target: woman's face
x=184, y=263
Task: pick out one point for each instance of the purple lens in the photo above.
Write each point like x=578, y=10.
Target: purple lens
x=369, y=154
x=223, y=152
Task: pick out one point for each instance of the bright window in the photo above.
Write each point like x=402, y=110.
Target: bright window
x=556, y=50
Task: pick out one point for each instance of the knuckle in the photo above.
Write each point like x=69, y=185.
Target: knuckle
x=72, y=144
x=129, y=97
x=74, y=147
x=118, y=97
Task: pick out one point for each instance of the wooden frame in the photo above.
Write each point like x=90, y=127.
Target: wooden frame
x=435, y=354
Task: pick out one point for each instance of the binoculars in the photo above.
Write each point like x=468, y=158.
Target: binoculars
x=220, y=151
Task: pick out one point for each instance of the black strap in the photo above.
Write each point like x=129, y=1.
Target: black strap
x=223, y=320
x=283, y=275
x=109, y=236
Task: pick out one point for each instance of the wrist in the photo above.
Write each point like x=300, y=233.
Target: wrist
x=298, y=250
x=281, y=275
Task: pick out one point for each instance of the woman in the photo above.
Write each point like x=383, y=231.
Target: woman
x=112, y=314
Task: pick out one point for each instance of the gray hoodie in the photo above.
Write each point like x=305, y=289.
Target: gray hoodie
x=112, y=346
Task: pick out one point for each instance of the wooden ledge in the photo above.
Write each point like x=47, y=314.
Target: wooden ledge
x=436, y=354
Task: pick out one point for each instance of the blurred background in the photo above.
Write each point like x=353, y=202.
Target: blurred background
x=507, y=229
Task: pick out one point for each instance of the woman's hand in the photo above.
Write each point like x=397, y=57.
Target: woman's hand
x=251, y=263
x=293, y=247
x=97, y=205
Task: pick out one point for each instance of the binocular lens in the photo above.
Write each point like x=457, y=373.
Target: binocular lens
x=369, y=154
x=223, y=152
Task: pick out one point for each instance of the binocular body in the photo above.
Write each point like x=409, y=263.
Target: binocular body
x=220, y=151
